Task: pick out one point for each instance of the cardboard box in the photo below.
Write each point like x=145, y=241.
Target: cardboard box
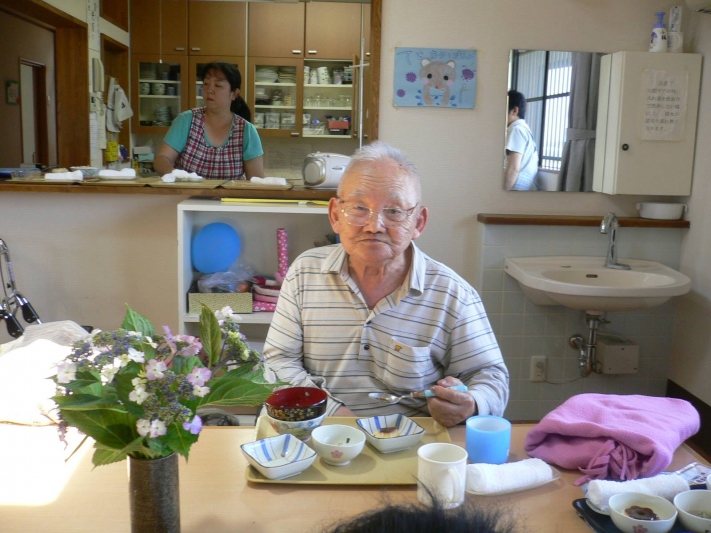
x=339, y=127
x=240, y=302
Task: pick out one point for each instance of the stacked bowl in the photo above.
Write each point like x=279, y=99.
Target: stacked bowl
x=296, y=411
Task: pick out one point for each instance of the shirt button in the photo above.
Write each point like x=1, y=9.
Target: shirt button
x=366, y=347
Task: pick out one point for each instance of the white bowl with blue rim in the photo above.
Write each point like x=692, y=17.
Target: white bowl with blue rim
x=391, y=433
x=279, y=457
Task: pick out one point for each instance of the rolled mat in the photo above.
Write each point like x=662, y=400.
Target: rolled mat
x=282, y=251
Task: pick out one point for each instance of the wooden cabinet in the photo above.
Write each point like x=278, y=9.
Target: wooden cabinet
x=116, y=12
x=332, y=30
x=196, y=67
x=158, y=92
x=646, y=123
x=276, y=30
x=256, y=224
x=159, y=27
x=217, y=28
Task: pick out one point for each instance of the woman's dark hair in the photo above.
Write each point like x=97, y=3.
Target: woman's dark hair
x=516, y=99
x=413, y=518
x=234, y=78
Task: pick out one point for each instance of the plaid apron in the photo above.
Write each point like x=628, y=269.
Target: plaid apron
x=213, y=162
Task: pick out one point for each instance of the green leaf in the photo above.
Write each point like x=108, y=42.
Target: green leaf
x=88, y=402
x=112, y=429
x=210, y=336
x=229, y=390
x=124, y=387
x=180, y=440
x=105, y=455
x=135, y=322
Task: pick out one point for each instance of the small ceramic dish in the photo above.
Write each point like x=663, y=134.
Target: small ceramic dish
x=301, y=429
x=337, y=444
x=279, y=457
x=623, y=505
x=694, y=508
x=297, y=403
x=391, y=433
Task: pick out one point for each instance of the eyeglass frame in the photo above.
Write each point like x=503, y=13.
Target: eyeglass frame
x=381, y=217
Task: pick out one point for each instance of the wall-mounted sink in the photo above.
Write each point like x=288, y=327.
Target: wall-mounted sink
x=584, y=283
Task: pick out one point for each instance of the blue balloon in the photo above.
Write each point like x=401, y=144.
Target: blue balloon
x=215, y=247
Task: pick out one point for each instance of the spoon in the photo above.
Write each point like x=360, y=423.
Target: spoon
x=390, y=399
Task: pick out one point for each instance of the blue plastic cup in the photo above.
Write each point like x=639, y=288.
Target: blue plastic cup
x=488, y=439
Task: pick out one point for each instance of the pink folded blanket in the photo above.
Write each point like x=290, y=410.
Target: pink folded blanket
x=607, y=436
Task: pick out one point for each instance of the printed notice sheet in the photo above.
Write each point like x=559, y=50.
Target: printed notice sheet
x=663, y=105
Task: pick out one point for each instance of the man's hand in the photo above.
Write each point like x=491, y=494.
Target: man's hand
x=343, y=411
x=450, y=407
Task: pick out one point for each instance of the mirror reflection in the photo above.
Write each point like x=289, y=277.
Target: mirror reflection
x=551, y=120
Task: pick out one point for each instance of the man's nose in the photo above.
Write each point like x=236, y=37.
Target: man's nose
x=376, y=221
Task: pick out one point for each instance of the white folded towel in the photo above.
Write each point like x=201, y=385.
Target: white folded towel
x=268, y=181
x=664, y=485
x=180, y=175
x=124, y=173
x=64, y=176
x=485, y=478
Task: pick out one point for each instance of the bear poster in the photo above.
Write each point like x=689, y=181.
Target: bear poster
x=435, y=77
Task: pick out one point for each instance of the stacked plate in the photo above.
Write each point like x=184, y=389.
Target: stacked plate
x=287, y=74
x=162, y=116
x=148, y=71
x=266, y=74
x=348, y=74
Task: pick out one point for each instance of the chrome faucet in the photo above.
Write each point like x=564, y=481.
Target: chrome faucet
x=610, y=226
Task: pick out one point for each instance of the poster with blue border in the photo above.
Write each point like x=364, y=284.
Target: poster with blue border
x=435, y=77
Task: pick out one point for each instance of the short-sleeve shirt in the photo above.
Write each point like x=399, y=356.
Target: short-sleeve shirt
x=177, y=136
x=520, y=139
x=433, y=326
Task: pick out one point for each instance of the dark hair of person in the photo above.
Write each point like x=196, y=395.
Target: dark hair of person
x=516, y=99
x=234, y=78
x=415, y=518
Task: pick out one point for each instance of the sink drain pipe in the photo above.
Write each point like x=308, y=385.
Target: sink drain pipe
x=587, y=361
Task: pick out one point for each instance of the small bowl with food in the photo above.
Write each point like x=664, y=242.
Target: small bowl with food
x=279, y=457
x=391, y=433
x=297, y=403
x=301, y=429
x=633, y=512
x=337, y=444
x=694, y=507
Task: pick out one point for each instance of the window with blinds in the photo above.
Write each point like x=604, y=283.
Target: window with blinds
x=544, y=78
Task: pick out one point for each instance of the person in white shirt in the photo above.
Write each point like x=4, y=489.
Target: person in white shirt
x=376, y=314
x=521, y=152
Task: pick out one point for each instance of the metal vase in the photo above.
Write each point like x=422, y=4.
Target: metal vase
x=154, y=494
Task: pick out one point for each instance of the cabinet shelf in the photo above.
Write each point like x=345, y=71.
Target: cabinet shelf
x=167, y=82
x=326, y=136
x=328, y=85
x=329, y=108
x=165, y=96
x=245, y=318
x=274, y=84
x=275, y=107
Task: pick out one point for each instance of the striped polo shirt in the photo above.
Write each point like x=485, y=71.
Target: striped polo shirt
x=434, y=325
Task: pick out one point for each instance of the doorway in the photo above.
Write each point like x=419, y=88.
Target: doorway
x=33, y=103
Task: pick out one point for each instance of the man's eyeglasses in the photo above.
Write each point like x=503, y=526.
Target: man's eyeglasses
x=359, y=215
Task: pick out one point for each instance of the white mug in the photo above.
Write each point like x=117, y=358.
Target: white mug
x=441, y=473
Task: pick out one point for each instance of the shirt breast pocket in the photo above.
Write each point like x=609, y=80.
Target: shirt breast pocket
x=408, y=368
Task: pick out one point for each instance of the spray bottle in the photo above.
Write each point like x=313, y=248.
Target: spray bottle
x=659, y=35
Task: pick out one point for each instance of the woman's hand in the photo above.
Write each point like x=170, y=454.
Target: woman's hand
x=165, y=159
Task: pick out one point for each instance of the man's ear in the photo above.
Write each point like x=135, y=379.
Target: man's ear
x=334, y=214
x=420, y=223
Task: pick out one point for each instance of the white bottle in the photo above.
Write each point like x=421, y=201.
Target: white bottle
x=659, y=35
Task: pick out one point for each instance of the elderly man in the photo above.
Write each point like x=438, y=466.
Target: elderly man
x=375, y=314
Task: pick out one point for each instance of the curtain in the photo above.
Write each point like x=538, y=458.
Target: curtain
x=579, y=151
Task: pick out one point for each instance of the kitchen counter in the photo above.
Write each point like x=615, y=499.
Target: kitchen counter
x=296, y=193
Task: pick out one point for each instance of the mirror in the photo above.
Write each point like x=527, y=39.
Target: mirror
x=560, y=90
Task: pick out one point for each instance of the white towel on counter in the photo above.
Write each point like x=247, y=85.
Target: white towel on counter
x=180, y=175
x=488, y=479
x=123, y=174
x=64, y=176
x=268, y=181
x=665, y=485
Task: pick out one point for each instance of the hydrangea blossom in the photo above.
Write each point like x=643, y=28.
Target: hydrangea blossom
x=66, y=372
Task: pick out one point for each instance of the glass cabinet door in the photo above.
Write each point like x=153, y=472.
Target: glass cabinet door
x=159, y=92
x=329, y=98
x=276, y=96
x=197, y=66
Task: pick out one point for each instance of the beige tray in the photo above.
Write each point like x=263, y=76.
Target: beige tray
x=139, y=182
x=244, y=184
x=42, y=181
x=202, y=184
x=369, y=468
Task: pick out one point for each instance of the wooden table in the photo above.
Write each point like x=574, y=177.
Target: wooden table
x=215, y=497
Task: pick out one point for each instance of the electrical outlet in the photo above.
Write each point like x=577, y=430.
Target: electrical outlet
x=538, y=368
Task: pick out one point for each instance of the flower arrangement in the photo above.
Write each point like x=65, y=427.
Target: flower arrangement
x=136, y=392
